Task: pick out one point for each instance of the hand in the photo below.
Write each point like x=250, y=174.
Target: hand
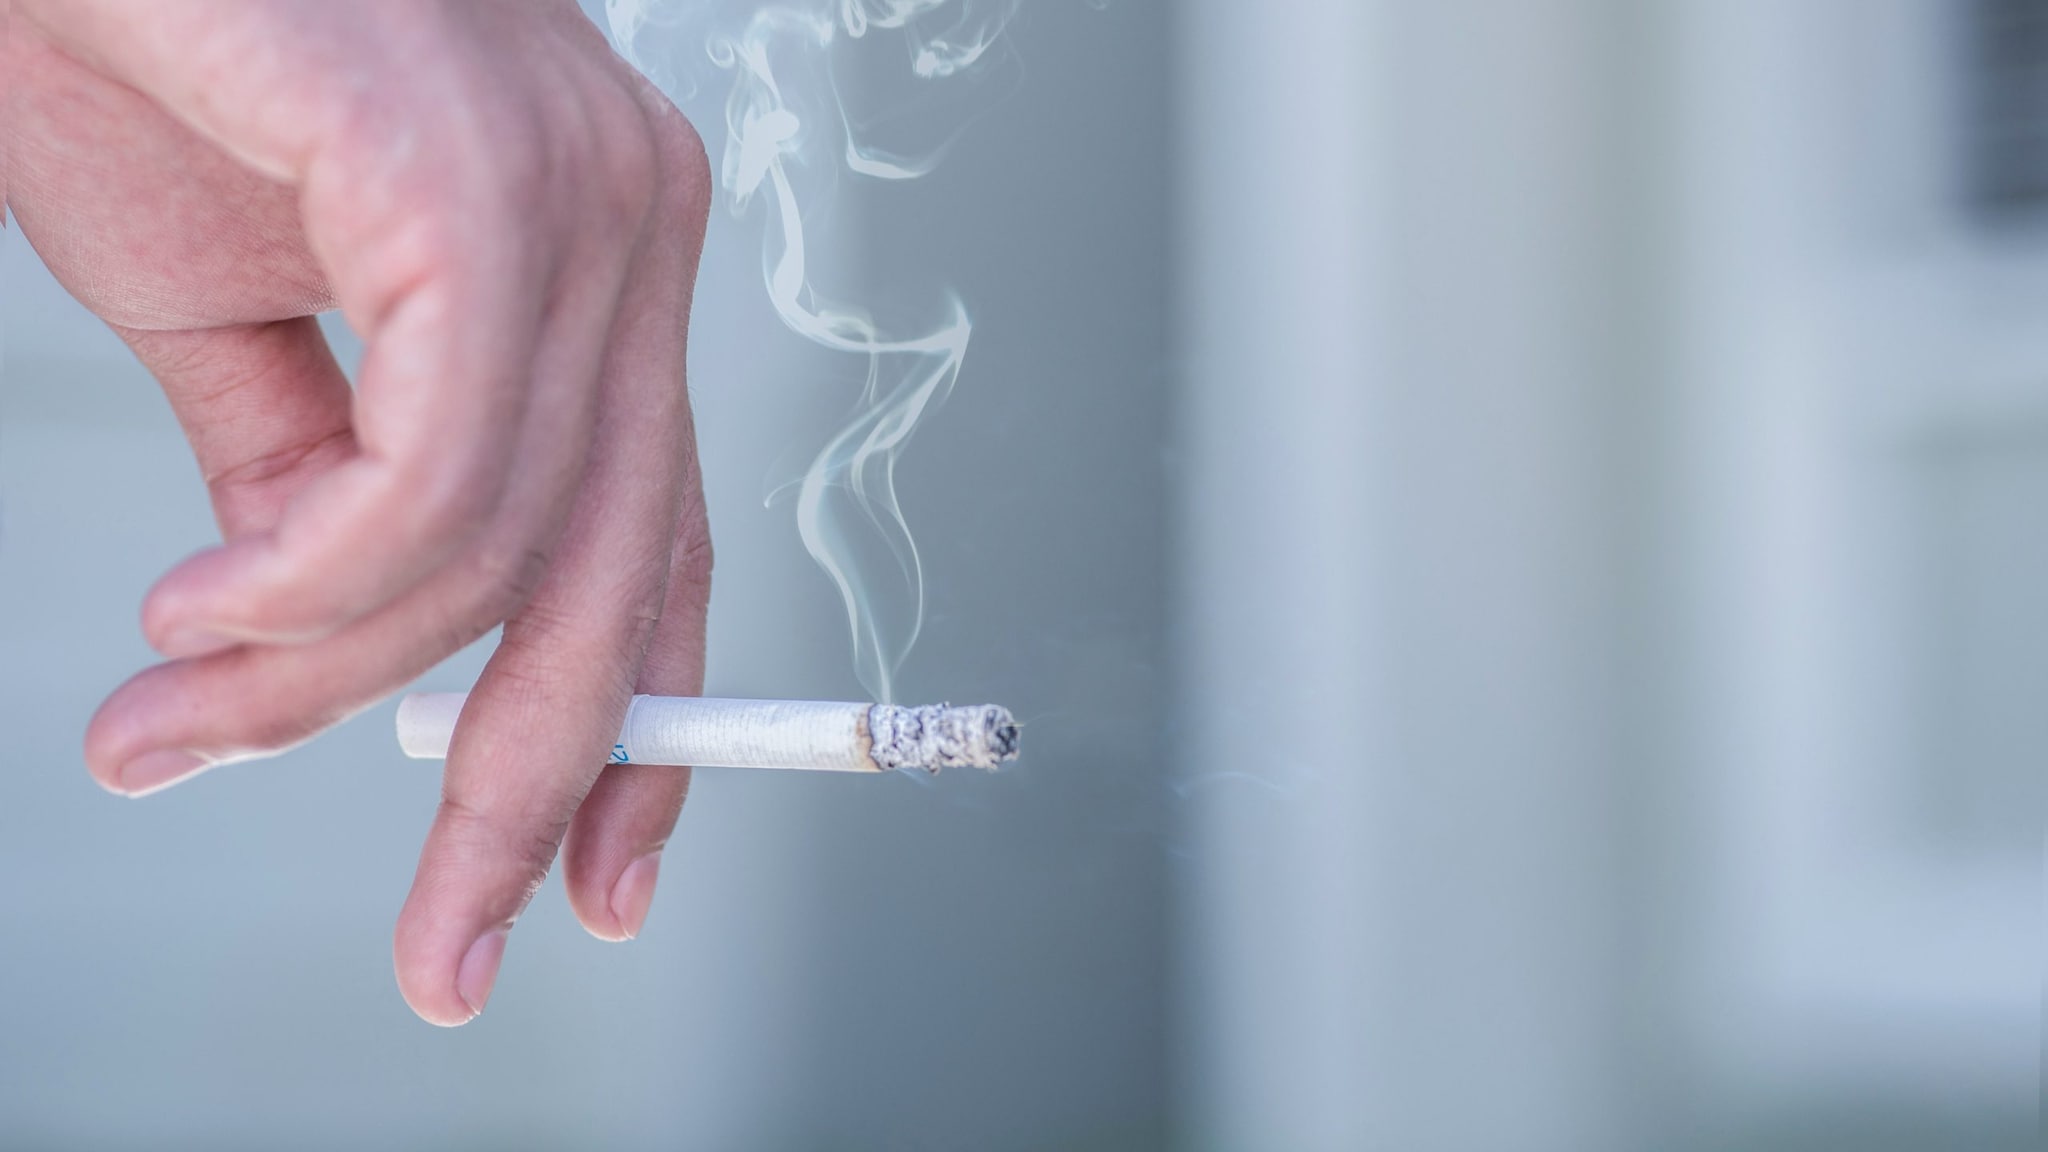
x=511, y=217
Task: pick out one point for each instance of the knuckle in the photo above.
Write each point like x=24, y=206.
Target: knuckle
x=529, y=838
x=453, y=493
x=694, y=556
x=536, y=636
x=639, y=624
x=627, y=165
x=691, y=555
x=453, y=630
x=405, y=259
x=171, y=358
x=508, y=577
x=682, y=164
x=552, y=642
x=518, y=171
x=251, y=477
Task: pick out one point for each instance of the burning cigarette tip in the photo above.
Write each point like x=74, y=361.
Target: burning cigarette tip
x=941, y=736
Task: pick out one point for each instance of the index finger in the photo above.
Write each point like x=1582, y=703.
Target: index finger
x=422, y=222
x=443, y=389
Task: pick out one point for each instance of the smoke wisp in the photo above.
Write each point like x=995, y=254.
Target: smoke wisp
x=790, y=136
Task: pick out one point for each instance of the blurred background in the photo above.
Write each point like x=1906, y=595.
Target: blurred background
x=1519, y=533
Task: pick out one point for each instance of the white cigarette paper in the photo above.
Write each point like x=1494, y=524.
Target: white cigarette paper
x=799, y=734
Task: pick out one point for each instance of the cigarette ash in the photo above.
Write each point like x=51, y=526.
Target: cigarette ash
x=939, y=736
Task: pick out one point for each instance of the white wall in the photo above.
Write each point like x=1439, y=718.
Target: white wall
x=1611, y=583
x=1397, y=543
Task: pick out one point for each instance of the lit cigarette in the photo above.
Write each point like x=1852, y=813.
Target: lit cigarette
x=799, y=734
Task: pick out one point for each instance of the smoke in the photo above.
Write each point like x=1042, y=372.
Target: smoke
x=790, y=135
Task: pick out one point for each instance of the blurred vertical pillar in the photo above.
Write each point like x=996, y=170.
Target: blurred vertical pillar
x=1398, y=607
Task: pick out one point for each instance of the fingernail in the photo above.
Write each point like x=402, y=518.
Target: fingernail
x=634, y=892
x=479, y=971
x=190, y=642
x=154, y=770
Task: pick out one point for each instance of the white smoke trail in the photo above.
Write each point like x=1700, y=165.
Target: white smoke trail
x=785, y=111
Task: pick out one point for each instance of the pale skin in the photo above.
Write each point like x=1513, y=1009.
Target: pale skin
x=511, y=219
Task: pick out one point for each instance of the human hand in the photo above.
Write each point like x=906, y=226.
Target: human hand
x=511, y=218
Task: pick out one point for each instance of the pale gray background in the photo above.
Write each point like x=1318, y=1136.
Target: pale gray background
x=1518, y=532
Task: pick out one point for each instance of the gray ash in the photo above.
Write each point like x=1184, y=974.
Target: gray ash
x=941, y=736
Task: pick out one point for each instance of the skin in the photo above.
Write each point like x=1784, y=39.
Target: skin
x=511, y=218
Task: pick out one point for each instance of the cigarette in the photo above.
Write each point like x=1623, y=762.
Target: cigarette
x=798, y=734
